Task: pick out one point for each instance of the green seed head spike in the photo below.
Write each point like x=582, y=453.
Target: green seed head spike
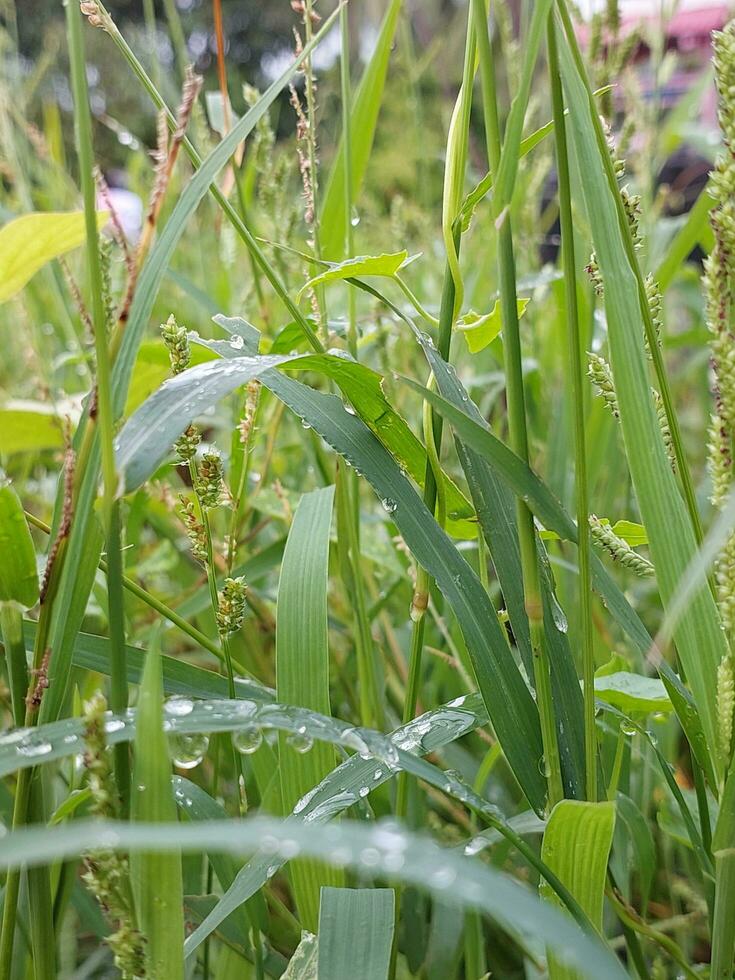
x=619, y=550
x=231, y=611
x=176, y=339
x=211, y=479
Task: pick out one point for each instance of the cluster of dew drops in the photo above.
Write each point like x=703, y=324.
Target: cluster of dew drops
x=188, y=749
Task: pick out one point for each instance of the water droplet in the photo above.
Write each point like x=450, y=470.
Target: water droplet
x=349, y=409
x=389, y=505
x=237, y=342
x=354, y=218
x=543, y=766
x=247, y=740
x=363, y=791
x=114, y=725
x=627, y=728
x=443, y=877
x=370, y=856
x=178, y=706
x=188, y=750
x=300, y=742
x=34, y=746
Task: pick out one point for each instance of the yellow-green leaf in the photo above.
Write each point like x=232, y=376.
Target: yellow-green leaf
x=576, y=847
x=481, y=329
x=386, y=264
x=632, y=533
x=29, y=242
x=18, y=576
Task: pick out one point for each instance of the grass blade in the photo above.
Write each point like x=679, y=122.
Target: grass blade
x=355, y=933
x=302, y=671
x=463, y=880
x=156, y=875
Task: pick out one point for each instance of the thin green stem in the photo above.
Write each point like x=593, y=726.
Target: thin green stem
x=414, y=301
x=576, y=370
x=723, y=925
x=517, y=418
x=344, y=24
x=102, y=395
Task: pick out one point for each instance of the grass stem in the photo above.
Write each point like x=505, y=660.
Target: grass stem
x=576, y=372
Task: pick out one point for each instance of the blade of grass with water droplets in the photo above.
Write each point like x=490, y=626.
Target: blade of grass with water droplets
x=382, y=850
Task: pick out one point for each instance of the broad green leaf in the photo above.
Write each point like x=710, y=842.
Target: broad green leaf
x=699, y=639
x=386, y=264
x=576, y=846
x=356, y=933
x=156, y=875
x=481, y=329
x=363, y=120
x=30, y=427
x=633, y=693
x=18, y=574
x=302, y=671
x=369, y=849
x=27, y=243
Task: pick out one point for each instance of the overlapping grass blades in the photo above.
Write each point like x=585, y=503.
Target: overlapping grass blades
x=510, y=705
x=698, y=636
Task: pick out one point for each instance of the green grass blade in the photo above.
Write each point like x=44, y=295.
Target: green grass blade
x=367, y=849
x=509, y=702
x=694, y=229
x=156, y=875
x=699, y=639
x=355, y=933
x=179, y=677
x=302, y=671
x=363, y=120
x=576, y=846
